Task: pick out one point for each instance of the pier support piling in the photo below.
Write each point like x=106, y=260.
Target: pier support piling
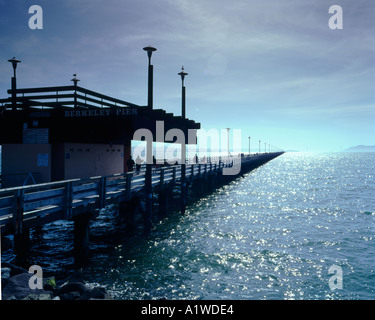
x=163, y=202
x=22, y=242
x=81, y=239
x=127, y=213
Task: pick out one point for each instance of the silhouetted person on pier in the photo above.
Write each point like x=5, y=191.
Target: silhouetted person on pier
x=196, y=159
x=130, y=163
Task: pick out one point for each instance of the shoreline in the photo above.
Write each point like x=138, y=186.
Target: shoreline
x=18, y=283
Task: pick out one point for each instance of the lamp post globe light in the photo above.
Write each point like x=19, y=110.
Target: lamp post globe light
x=149, y=51
x=75, y=79
x=14, y=63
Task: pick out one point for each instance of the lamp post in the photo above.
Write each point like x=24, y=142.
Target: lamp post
x=228, y=142
x=183, y=146
x=75, y=81
x=149, y=51
x=148, y=176
x=249, y=146
x=14, y=62
x=183, y=105
x=259, y=146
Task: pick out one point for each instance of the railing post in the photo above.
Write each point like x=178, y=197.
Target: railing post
x=128, y=184
x=21, y=236
x=19, y=212
x=161, y=177
x=103, y=191
x=174, y=175
x=68, y=200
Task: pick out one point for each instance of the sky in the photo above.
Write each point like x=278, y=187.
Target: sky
x=273, y=69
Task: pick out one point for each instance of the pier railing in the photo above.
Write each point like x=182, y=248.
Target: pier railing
x=35, y=205
x=71, y=96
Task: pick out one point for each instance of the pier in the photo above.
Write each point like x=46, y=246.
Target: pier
x=79, y=200
x=66, y=154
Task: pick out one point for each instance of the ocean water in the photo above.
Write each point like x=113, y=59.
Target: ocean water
x=272, y=234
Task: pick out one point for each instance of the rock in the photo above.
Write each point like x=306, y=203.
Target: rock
x=6, y=244
x=95, y=293
x=45, y=296
x=72, y=287
x=70, y=296
x=14, y=270
x=18, y=286
x=33, y=296
x=79, y=291
x=5, y=273
x=5, y=276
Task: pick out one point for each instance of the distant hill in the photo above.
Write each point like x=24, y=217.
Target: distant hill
x=360, y=149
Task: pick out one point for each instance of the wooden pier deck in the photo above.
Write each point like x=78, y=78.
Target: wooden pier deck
x=22, y=208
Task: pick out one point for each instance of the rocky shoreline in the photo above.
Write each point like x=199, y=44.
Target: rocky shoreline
x=15, y=286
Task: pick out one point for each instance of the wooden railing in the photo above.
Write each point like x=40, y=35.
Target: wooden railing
x=64, y=96
x=29, y=206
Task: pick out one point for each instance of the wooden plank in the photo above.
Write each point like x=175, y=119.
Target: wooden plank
x=40, y=212
x=6, y=211
x=86, y=186
x=38, y=186
x=114, y=182
x=59, y=201
x=44, y=89
x=49, y=96
x=6, y=218
x=44, y=194
x=7, y=201
x=85, y=194
x=84, y=202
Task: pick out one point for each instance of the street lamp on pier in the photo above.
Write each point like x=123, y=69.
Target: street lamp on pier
x=149, y=51
x=183, y=105
x=75, y=81
x=14, y=63
x=183, y=146
x=249, y=145
x=148, y=176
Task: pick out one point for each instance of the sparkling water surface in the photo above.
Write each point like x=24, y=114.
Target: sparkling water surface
x=271, y=234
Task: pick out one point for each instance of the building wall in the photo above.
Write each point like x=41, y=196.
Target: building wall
x=87, y=160
x=25, y=163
